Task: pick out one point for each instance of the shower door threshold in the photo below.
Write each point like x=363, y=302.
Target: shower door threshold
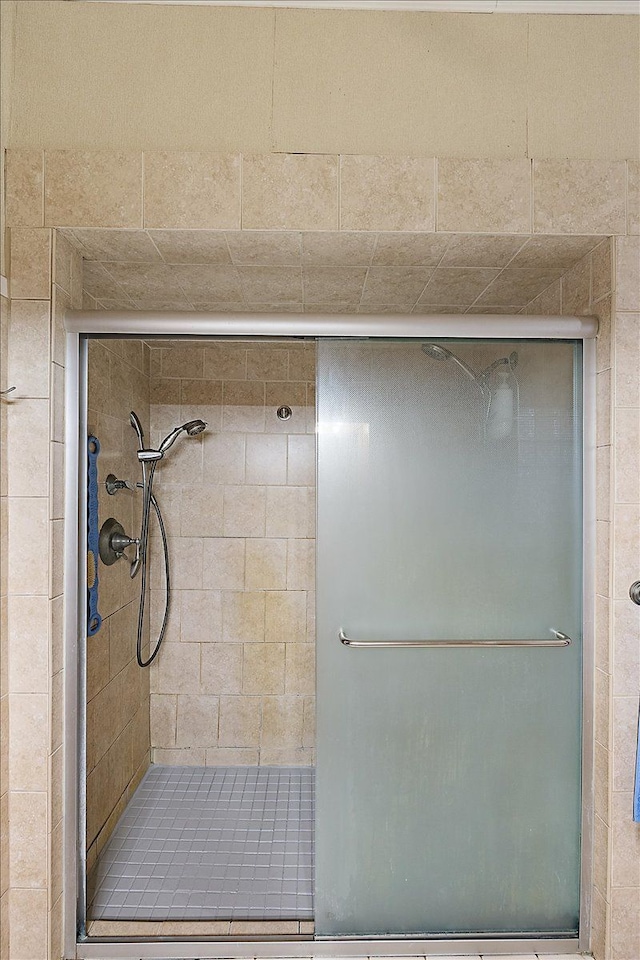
x=308, y=947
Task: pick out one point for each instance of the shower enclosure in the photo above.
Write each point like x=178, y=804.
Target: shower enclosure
x=452, y=638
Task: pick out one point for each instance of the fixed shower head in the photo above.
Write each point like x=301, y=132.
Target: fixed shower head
x=137, y=426
x=192, y=428
x=436, y=352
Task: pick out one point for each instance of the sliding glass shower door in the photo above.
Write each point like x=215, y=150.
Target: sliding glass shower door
x=449, y=638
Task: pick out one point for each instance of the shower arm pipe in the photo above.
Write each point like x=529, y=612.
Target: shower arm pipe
x=107, y=323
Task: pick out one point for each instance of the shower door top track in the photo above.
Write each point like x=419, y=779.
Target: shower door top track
x=81, y=325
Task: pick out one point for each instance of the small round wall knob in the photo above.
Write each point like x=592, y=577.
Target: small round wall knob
x=634, y=592
x=283, y=413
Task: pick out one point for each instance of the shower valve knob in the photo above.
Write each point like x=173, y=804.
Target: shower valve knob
x=113, y=541
x=634, y=592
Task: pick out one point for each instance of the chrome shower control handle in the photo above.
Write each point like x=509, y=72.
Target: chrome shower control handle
x=113, y=541
x=634, y=592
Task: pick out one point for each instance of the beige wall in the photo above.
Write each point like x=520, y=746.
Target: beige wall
x=117, y=690
x=130, y=76
x=235, y=682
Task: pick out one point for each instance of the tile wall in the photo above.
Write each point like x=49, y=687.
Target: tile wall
x=117, y=689
x=235, y=681
x=90, y=189
x=4, y=643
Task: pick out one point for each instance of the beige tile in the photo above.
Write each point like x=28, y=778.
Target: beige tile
x=633, y=197
x=282, y=722
x=333, y=284
x=627, y=455
x=625, y=923
x=163, y=720
x=301, y=460
x=425, y=309
x=93, y=189
x=63, y=253
x=28, y=625
x=603, y=633
x=576, y=288
x=266, y=565
x=179, y=668
x=28, y=741
x=603, y=483
x=600, y=855
x=338, y=249
x=24, y=180
x=625, y=843
x=484, y=196
x=125, y=245
x=179, y=756
x=191, y=246
x=186, y=554
x=602, y=707
x=99, y=282
x=627, y=273
x=27, y=435
x=548, y=303
x=240, y=719
x=197, y=721
x=603, y=549
x=27, y=525
x=600, y=924
x=265, y=247
x=244, y=512
x=208, y=282
x=309, y=722
x=294, y=395
x=267, y=363
x=208, y=928
x=223, y=563
x=543, y=252
x=28, y=924
x=386, y=193
x=289, y=192
x=164, y=391
x=205, y=190
x=30, y=269
x=139, y=281
x=625, y=739
x=300, y=668
x=396, y=285
x=228, y=756
x=252, y=928
x=225, y=362
x=285, y=616
x=201, y=511
x=626, y=622
x=224, y=458
x=480, y=251
x=603, y=344
x=243, y=617
x=409, y=250
x=579, y=196
x=200, y=616
x=266, y=458
x=300, y=564
x=203, y=393
x=243, y=406
x=517, y=286
x=626, y=547
x=221, y=668
x=601, y=271
x=627, y=354
x=457, y=285
x=289, y=756
x=288, y=512
x=603, y=407
x=263, y=669
x=28, y=849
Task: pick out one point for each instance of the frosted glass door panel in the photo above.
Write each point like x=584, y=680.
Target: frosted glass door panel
x=449, y=507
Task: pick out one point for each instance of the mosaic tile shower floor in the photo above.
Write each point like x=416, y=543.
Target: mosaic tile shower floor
x=208, y=843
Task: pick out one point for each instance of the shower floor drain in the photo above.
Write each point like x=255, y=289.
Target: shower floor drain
x=208, y=843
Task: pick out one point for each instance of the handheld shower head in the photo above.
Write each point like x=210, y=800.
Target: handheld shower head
x=194, y=427
x=436, y=352
x=137, y=426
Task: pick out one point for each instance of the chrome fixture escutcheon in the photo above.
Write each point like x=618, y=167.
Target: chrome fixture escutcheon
x=634, y=592
x=113, y=541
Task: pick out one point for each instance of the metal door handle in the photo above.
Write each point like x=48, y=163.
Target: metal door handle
x=561, y=640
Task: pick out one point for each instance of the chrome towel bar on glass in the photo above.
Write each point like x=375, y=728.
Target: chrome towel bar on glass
x=561, y=640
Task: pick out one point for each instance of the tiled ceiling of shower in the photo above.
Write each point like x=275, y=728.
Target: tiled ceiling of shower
x=313, y=272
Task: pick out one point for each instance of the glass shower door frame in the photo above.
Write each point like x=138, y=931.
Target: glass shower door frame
x=138, y=324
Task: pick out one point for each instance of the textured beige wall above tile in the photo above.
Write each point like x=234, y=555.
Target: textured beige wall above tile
x=183, y=77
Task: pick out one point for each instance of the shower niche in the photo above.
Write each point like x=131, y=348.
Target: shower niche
x=432, y=623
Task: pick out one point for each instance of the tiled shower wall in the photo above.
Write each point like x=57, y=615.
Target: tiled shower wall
x=292, y=192
x=117, y=689
x=235, y=683
x=4, y=643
